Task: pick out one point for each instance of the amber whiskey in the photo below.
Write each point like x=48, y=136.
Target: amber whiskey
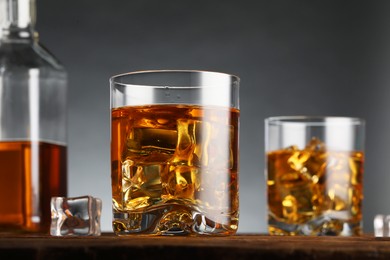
x=30, y=174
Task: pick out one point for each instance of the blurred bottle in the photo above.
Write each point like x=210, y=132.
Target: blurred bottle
x=33, y=152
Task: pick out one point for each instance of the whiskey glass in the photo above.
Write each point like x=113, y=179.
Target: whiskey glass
x=174, y=152
x=314, y=173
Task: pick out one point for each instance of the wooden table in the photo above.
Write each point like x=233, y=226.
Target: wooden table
x=109, y=246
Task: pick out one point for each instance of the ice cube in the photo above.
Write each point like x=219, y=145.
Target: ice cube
x=141, y=183
x=300, y=202
x=192, y=143
x=316, y=167
x=322, y=225
x=304, y=166
x=290, y=208
x=379, y=226
x=315, y=145
x=145, y=142
x=181, y=182
x=310, y=162
x=77, y=216
x=141, y=175
x=298, y=160
x=382, y=225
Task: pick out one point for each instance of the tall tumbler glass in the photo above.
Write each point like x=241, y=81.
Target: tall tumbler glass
x=314, y=175
x=174, y=152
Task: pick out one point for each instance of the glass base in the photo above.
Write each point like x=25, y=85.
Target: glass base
x=321, y=226
x=171, y=219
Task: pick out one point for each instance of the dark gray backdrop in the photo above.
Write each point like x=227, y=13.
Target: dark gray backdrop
x=293, y=58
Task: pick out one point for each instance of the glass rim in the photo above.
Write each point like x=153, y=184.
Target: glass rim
x=114, y=78
x=314, y=120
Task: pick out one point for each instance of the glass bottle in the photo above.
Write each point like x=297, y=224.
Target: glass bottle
x=33, y=151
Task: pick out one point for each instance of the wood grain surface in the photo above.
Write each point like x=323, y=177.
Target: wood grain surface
x=109, y=246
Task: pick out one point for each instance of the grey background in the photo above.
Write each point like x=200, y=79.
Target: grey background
x=293, y=58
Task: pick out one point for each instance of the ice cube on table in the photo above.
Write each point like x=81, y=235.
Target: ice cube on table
x=77, y=216
x=382, y=225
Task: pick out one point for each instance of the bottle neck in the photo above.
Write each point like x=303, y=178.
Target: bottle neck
x=17, y=19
